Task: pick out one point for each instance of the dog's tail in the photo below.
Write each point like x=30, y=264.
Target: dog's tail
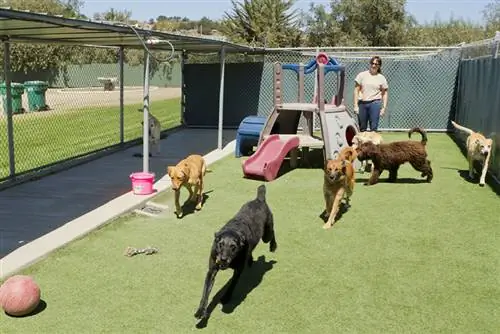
x=463, y=128
x=261, y=193
x=422, y=132
x=350, y=154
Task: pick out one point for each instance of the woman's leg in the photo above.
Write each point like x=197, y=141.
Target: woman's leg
x=374, y=114
x=363, y=116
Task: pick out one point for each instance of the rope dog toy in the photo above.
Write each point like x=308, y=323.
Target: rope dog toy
x=131, y=251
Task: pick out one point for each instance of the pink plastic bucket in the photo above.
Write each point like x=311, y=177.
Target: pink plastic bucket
x=142, y=183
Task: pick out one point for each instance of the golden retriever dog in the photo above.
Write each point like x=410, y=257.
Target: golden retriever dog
x=478, y=148
x=154, y=133
x=366, y=137
x=188, y=173
x=338, y=183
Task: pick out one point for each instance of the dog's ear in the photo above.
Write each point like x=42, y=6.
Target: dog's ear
x=169, y=170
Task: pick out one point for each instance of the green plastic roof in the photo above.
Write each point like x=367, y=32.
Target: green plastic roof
x=26, y=27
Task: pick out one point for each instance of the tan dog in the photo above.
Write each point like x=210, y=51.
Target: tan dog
x=338, y=183
x=348, y=153
x=478, y=148
x=366, y=137
x=154, y=133
x=189, y=173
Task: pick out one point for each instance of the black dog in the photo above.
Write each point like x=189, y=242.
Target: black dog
x=234, y=243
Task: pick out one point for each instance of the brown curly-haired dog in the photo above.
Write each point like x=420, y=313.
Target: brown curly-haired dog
x=392, y=155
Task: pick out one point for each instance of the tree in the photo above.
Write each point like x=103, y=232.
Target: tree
x=270, y=23
x=439, y=33
x=359, y=22
x=114, y=15
x=491, y=16
x=36, y=57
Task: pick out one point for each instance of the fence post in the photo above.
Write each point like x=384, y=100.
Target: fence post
x=145, y=111
x=122, y=121
x=183, y=90
x=8, y=108
x=496, y=44
x=222, y=58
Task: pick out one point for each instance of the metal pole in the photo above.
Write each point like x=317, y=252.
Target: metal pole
x=145, y=135
x=122, y=126
x=221, y=96
x=496, y=47
x=183, y=90
x=314, y=116
x=8, y=100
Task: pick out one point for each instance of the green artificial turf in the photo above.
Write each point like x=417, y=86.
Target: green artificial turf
x=44, y=139
x=406, y=258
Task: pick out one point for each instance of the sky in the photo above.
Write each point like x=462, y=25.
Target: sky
x=423, y=10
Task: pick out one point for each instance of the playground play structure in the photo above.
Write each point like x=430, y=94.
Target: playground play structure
x=279, y=136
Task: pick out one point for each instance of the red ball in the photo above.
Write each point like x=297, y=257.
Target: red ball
x=19, y=295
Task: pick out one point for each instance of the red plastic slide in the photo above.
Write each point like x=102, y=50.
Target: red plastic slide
x=267, y=160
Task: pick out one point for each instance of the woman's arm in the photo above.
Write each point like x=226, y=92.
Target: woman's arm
x=385, y=97
x=356, y=97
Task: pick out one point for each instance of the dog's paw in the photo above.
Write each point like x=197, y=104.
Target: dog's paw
x=327, y=226
x=179, y=214
x=198, y=206
x=273, y=246
x=200, y=314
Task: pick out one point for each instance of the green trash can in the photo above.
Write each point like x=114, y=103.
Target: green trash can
x=36, y=95
x=17, y=91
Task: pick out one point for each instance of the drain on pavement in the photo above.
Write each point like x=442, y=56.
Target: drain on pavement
x=152, y=209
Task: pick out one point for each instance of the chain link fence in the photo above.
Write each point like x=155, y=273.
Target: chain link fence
x=421, y=84
x=78, y=111
x=73, y=110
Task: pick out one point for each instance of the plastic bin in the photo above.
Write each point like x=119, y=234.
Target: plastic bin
x=17, y=91
x=36, y=95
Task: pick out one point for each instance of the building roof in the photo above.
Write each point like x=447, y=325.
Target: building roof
x=30, y=27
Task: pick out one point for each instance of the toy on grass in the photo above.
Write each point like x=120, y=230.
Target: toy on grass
x=131, y=251
x=338, y=126
x=19, y=295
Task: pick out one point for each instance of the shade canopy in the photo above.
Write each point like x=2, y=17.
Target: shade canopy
x=29, y=27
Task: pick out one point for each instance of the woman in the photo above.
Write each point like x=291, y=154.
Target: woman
x=370, y=95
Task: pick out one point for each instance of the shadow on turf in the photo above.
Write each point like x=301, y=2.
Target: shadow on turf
x=249, y=280
x=39, y=309
x=464, y=174
x=344, y=207
x=189, y=207
x=406, y=180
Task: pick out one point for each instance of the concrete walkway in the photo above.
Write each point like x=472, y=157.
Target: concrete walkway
x=33, y=209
